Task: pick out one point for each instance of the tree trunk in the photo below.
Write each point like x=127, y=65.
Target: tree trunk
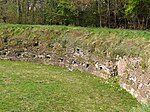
x=19, y=13
x=108, y=9
x=115, y=13
x=146, y=24
x=99, y=12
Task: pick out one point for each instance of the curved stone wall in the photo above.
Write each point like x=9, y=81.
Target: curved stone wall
x=135, y=77
x=71, y=58
x=132, y=76
x=41, y=46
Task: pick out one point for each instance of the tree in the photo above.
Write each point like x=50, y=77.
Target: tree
x=139, y=11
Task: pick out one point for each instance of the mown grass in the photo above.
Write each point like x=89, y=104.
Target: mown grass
x=142, y=108
x=30, y=87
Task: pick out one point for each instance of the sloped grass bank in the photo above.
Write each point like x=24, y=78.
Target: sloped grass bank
x=27, y=87
x=103, y=42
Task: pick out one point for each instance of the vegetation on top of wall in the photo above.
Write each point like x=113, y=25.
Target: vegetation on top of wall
x=104, y=42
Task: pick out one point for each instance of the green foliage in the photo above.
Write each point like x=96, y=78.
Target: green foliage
x=132, y=6
x=64, y=12
x=104, y=13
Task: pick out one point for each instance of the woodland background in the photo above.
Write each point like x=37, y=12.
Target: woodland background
x=131, y=14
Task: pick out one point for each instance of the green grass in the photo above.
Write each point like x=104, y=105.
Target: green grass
x=142, y=108
x=125, y=33
x=107, y=41
x=29, y=87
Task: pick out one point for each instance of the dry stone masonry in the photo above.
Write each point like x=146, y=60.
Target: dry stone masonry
x=134, y=75
x=71, y=58
x=134, y=78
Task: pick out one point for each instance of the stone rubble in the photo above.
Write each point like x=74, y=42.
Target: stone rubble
x=132, y=76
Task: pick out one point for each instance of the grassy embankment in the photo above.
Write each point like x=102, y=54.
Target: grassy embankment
x=36, y=87
x=103, y=42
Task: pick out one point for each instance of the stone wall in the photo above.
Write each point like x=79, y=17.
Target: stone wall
x=71, y=58
x=133, y=73
x=135, y=77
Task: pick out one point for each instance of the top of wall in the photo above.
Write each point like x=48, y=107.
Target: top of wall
x=104, y=42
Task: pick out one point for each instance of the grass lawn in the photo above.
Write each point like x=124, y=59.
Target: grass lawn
x=29, y=87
